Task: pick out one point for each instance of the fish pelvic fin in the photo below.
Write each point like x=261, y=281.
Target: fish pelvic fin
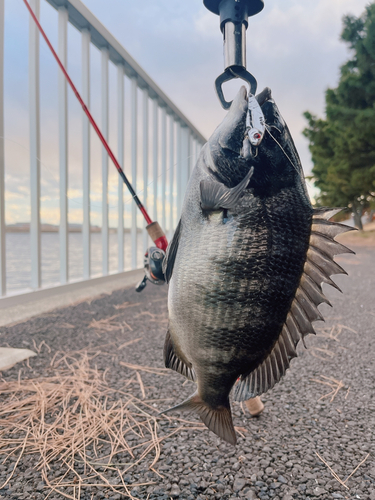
x=175, y=362
x=218, y=420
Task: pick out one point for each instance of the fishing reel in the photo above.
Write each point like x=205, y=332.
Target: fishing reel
x=153, y=266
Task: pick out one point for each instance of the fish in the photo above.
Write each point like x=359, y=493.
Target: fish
x=245, y=266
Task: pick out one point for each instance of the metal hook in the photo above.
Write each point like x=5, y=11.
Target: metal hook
x=230, y=74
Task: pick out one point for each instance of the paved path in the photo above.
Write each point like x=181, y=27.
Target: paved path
x=276, y=456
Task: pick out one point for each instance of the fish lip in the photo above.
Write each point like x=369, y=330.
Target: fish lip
x=223, y=158
x=231, y=135
x=231, y=132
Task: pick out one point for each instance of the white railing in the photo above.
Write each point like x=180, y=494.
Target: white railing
x=174, y=148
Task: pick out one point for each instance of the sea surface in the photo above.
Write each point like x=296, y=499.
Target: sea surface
x=18, y=261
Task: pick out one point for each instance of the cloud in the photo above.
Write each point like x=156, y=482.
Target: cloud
x=293, y=47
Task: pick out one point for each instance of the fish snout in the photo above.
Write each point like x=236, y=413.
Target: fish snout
x=232, y=141
x=230, y=133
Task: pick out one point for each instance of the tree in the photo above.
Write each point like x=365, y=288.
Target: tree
x=343, y=144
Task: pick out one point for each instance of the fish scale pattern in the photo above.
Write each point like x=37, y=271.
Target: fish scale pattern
x=234, y=306
x=318, y=268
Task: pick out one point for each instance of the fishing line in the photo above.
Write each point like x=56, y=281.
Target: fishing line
x=283, y=150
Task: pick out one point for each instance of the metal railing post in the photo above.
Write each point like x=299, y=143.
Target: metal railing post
x=191, y=154
x=171, y=176
x=184, y=162
x=134, y=147
x=145, y=157
x=155, y=155
x=34, y=106
x=86, y=159
x=63, y=145
x=196, y=151
x=105, y=132
x=2, y=159
x=163, y=166
x=120, y=157
x=178, y=170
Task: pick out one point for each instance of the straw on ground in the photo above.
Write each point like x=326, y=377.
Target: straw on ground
x=74, y=418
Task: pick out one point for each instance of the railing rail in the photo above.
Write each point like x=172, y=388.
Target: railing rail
x=2, y=161
x=174, y=137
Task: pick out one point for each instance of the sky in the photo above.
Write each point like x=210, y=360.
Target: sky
x=293, y=47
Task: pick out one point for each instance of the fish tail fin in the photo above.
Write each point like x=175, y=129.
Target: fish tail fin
x=218, y=420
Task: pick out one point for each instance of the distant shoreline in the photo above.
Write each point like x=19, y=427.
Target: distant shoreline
x=51, y=228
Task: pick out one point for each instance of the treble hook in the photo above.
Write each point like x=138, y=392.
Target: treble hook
x=232, y=73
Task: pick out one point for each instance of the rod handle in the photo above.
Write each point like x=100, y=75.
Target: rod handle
x=157, y=235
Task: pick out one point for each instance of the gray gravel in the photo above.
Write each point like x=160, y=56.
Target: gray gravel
x=276, y=453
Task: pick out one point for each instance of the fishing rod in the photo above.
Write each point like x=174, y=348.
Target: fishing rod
x=154, y=256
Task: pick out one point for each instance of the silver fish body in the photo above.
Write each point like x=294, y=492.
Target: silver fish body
x=235, y=264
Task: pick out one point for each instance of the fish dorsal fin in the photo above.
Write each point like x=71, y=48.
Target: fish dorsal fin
x=170, y=257
x=174, y=362
x=318, y=268
x=216, y=196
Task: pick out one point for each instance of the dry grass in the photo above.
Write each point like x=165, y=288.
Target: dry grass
x=335, y=386
x=74, y=423
x=126, y=305
x=110, y=324
x=335, y=475
x=323, y=352
x=334, y=332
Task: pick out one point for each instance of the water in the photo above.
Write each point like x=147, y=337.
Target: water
x=18, y=261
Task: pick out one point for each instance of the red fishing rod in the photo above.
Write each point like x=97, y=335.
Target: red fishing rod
x=153, y=228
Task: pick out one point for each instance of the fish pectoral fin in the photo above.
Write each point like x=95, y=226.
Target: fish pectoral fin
x=319, y=267
x=174, y=362
x=170, y=257
x=218, y=420
x=215, y=195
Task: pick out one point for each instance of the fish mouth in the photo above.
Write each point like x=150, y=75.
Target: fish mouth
x=222, y=154
x=232, y=130
x=226, y=158
x=231, y=134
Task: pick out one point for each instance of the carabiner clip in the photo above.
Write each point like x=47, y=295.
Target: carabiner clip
x=230, y=74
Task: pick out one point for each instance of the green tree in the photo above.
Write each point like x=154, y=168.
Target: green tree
x=343, y=144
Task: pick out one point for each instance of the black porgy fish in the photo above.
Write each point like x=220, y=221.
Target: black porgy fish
x=245, y=266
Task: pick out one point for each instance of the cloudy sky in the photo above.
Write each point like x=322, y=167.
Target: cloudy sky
x=293, y=47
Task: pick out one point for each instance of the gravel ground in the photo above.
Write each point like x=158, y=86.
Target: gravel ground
x=276, y=456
